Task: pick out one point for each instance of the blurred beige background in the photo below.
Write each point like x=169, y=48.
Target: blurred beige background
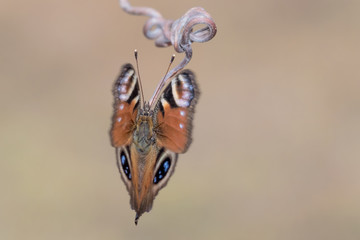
x=276, y=151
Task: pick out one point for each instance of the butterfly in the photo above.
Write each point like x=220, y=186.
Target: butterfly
x=149, y=137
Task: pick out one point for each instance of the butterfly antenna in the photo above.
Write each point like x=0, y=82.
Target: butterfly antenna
x=142, y=103
x=161, y=84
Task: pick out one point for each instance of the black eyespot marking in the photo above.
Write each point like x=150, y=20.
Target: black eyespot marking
x=169, y=97
x=163, y=170
x=134, y=94
x=125, y=165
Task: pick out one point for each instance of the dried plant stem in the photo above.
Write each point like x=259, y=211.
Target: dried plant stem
x=178, y=33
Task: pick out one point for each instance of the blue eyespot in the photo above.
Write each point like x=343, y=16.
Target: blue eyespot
x=123, y=159
x=163, y=170
x=125, y=165
x=166, y=166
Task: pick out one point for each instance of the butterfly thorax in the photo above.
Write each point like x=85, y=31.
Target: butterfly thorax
x=143, y=135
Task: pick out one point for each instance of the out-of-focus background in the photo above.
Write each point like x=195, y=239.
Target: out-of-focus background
x=276, y=150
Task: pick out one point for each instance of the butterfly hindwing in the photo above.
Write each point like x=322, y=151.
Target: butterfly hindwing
x=126, y=93
x=175, y=111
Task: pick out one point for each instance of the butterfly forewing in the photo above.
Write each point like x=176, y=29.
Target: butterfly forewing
x=175, y=112
x=126, y=93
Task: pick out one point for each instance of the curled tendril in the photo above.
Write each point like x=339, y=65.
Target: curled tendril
x=178, y=33
x=182, y=34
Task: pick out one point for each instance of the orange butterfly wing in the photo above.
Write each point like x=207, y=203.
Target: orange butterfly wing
x=126, y=93
x=175, y=112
